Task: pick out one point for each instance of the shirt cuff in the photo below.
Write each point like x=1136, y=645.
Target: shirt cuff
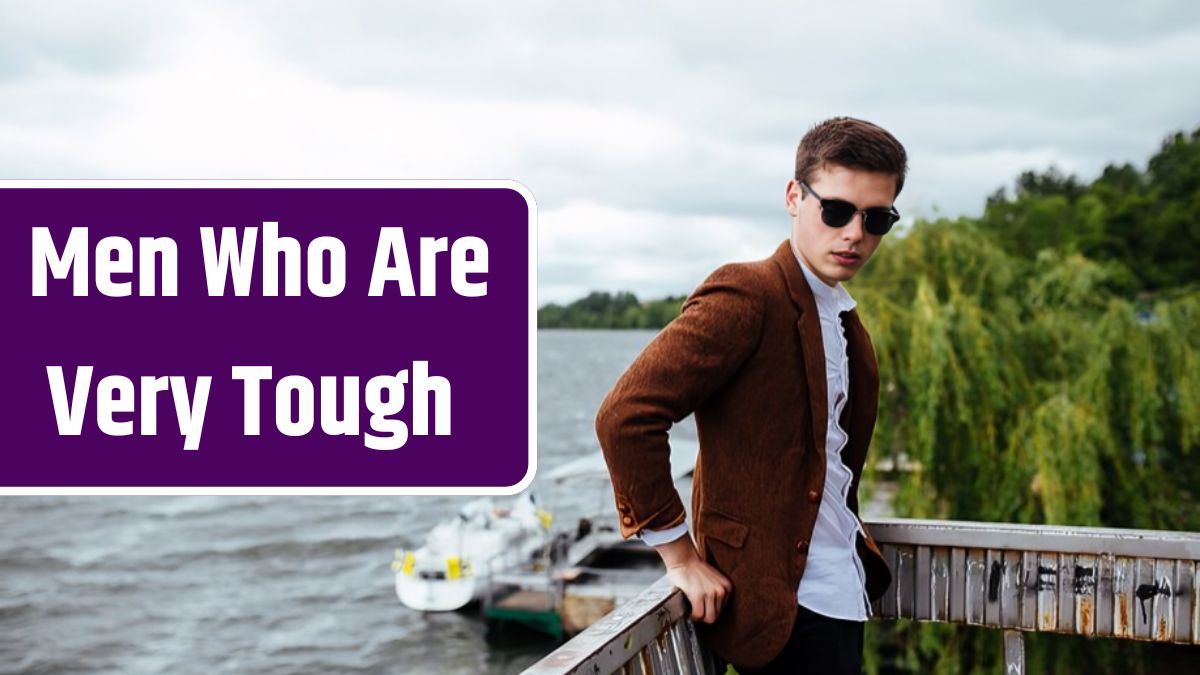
x=660, y=537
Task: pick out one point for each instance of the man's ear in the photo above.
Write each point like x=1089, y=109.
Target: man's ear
x=790, y=201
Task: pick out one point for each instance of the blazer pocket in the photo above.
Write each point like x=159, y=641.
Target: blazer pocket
x=725, y=529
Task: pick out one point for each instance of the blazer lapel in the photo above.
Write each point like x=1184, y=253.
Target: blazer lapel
x=863, y=391
x=808, y=326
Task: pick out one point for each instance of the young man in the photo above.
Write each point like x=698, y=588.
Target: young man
x=780, y=373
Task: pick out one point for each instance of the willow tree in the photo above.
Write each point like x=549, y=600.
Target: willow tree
x=1037, y=389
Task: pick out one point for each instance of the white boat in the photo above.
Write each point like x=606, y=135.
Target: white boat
x=591, y=568
x=457, y=561
x=487, y=551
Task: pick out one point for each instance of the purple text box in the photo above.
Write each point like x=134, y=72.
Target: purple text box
x=482, y=346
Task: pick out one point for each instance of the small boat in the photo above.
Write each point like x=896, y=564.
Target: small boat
x=587, y=571
x=460, y=555
x=508, y=557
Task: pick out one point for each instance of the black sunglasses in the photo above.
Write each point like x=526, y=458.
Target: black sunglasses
x=838, y=212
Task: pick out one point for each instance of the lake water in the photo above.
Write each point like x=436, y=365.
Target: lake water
x=274, y=584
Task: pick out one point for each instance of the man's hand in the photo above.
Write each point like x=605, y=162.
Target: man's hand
x=703, y=585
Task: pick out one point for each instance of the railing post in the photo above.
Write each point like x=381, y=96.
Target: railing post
x=1014, y=653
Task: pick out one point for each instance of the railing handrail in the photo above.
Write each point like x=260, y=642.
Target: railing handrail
x=1083, y=580
x=1021, y=537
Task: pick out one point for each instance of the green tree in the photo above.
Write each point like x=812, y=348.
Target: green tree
x=1149, y=222
x=1033, y=379
x=606, y=310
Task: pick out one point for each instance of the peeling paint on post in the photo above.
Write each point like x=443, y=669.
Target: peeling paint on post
x=976, y=590
x=1104, y=596
x=1123, y=576
x=1047, y=587
x=1084, y=588
x=905, y=572
x=941, y=584
x=1011, y=596
x=1014, y=653
x=925, y=581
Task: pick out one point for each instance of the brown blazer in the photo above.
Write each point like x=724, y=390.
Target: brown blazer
x=746, y=356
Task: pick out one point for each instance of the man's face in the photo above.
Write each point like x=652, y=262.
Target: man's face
x=837, y=253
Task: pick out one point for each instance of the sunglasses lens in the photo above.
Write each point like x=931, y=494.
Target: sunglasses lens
x=836, y=213
x=878, y=221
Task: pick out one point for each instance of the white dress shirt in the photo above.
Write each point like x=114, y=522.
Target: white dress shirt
x=828, y=586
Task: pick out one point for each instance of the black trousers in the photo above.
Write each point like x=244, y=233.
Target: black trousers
x=818, y=645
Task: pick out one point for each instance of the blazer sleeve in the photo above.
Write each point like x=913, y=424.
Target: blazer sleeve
x=717, y=330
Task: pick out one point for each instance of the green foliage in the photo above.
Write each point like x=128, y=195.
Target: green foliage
x=1042, y=365
x=1036, y=384
x=1148, y=222
x=606, y=310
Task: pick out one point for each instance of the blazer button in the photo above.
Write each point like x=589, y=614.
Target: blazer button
x=802, y=547
x=814, y=496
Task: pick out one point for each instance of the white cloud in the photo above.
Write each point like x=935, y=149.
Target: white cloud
x=676, y=123
x=584, y=246
x=215, y=104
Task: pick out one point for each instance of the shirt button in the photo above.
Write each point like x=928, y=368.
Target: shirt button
x=627, y=520
x=802, y=547
x=814, y=496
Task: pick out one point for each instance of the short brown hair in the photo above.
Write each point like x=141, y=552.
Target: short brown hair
x=854, y=144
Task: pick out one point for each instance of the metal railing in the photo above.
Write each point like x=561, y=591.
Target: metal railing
x=1098, y=582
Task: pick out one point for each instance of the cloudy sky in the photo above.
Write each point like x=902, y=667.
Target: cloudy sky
x=656, y=137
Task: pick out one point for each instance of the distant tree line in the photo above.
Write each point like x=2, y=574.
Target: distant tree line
x=610, y=310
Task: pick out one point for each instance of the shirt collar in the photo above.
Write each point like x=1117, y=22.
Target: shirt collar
x=835, y=298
